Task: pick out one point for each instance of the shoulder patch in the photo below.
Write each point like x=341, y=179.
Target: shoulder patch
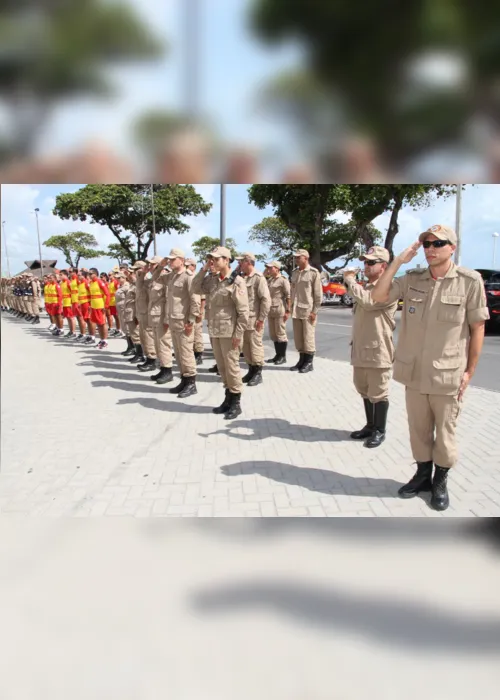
x=416, y=271
x=469, y=273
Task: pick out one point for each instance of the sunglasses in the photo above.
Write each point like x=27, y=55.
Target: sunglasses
x=435, y=244
x=371, y=263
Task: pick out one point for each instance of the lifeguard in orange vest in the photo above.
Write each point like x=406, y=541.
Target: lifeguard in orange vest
x=84, y=307
x=99, y=301
x=67, y=303
x=53, y=303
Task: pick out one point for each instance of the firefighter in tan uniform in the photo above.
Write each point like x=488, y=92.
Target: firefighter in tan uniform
x=441, y=338
x=153, y=290
x=372, y=346
x=259, y=304
x=35, y=297
x=120, y=298
x=306, y=296
x=156, y=309
x=205, y=285
x=130, y=314
x=181, y=309
x=279, y=291
x=198, y=324
x=142, y=302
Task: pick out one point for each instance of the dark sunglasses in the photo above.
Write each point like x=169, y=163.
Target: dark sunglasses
x=371, y=263
x=435, y=244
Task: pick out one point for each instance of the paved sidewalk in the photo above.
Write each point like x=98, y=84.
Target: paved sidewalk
x=85, y=434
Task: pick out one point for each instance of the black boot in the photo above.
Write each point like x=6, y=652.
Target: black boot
x=214, y=369
x=440, y=498
x=249, y=375
x=257, y=377
x=138, y=356
x=367, y=431
x=166, y=377
x=180, y=386
x=308, y=363
x=421, y=481
x=224, y=405
x=234, y=407
x=198, y=356
x=189, y=388
x=147, y=366
x=298, y=366
x=36, y=320
x=378, y=436
x=130, y=346
x=276, y=354
x=282, y=346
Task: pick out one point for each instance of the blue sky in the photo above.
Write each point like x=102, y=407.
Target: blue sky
x=481, y=217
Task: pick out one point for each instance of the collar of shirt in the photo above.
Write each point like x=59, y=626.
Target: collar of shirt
x=226, y=276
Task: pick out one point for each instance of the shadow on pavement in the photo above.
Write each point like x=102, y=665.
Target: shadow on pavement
x=316, y=480
x=392, y=620
x=117, y=375
x=278, y=427
x=180, y=407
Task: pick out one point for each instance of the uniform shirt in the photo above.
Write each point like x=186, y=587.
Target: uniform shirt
x=181, y=304
x=120, y=295
x=431, y=355
x=279, y=291
x=157, y=293
x=130, y=306
x=259, y=299
x=306, y=292
x=142, y=295
x=229, y=310
x=373, y=328
x=206, y=284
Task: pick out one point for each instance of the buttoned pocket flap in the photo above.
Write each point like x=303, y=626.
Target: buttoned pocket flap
x=302, y=305
x=447, y=363
x=455, y=301
x=371, y=344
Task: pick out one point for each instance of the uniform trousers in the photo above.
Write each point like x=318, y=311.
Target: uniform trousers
x=372, y=382
x=253, y=349
x=183, y=348
x=304, y=335
x=228, y=364
x=133, y=332
x=433, y=423
x=146, y=333
x=163, y=343
x=277, y=329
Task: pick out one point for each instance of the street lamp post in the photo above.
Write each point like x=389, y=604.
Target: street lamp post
x=153, y=214
x=495, y=239
x=458, y=227
x=39, y=244
x=223, y=215
x=6, y=249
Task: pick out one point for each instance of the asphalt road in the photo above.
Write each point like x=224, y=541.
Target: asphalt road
x=334, y=335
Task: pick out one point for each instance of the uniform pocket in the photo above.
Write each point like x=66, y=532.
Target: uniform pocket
x=370, y=351
x=451, y=309
x=447, y=373
x=414, y=308
x=403, y=369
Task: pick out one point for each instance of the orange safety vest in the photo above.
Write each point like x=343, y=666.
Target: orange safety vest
x=83, y=293
x=96, y=296
x=50, y=294
x=66, y=293
x=112, y=291
x=74, y=290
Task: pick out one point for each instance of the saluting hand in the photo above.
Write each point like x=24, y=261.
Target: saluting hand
x=312, y=317
x=407, y=255
x=259, y=325
x=464, y=384
x=236, y=343
x=188, y=328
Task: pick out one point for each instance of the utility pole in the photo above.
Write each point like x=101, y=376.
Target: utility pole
x=458, y=226
x=39, y=244
x=192, y=41
x=6, y=249
x=223, y=215
x=153, y=212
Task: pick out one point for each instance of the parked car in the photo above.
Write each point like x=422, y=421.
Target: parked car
x=335, y=292
x=492, y=286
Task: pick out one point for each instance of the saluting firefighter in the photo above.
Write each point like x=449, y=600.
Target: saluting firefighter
x=142, y=302
x=440, y=342
x=157, y=305
x=372, y=346
x=205, y=284
x=259, y=303
x=130, y=314
x=279, y=290
x=198, y=324
x=306, y=295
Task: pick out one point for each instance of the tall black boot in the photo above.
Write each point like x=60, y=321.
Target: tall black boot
x=147, y=366
x=249, y=375
x=421, y=481
x=234, y=407
x=130, y=346
x=139, y=355
x=282, y=346
x=166, y=377
x=224, y=405
x=378, y=437
x=367, y=431
x=308, y=363
x=198, y=356
x=214, y=369
x=189, y=388
x=179, y=387
x=257, y=376
x=298, y=366
x=440, y=498
x=276, y=354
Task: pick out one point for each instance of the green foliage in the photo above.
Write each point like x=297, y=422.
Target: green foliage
x=75, y=246
x=128, y=213
x=117, y=252
x=204, y=245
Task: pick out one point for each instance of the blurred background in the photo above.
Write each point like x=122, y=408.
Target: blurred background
x=243, y=91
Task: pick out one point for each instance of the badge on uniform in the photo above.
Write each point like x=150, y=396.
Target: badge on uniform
x=412, y=309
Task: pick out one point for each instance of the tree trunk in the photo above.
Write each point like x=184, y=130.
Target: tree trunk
x=393, y=229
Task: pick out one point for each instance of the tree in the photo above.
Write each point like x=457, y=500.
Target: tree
x=75, y=246
x=67, y=55
x=204, y=245
x=155, y=128
x=280, y=240
x=127, y=211
x=116, y=252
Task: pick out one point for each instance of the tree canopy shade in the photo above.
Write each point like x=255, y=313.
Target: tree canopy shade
x=127, y=211
x=75, y=246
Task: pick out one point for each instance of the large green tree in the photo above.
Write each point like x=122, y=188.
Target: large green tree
x=76, y=246
x=128, y=212
x=61, y=52
x=367, y=57
x=204, y=245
